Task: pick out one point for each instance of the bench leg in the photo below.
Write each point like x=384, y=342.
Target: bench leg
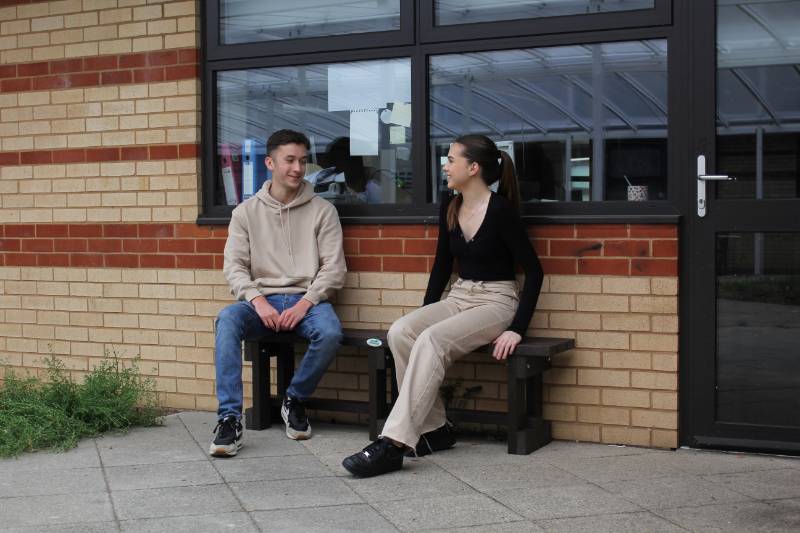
x=527, y=430
x=378, y=408
x=258, y=417
x=285, y=367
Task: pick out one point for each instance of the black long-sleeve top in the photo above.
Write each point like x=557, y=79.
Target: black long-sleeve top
x=499, y=242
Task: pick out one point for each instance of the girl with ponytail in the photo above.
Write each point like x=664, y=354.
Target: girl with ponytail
x=484, y=231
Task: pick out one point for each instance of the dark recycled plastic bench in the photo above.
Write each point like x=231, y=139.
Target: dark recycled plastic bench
x=527, y=430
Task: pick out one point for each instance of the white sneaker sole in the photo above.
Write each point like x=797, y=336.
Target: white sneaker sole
x=293, y=433
x=229, y=450
x=217, y=450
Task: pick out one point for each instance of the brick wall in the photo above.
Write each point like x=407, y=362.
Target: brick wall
x=99, y=114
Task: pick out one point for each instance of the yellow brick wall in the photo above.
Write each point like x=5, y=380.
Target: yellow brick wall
x=618, y=386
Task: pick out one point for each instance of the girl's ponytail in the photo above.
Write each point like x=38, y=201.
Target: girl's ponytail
x=509, y=185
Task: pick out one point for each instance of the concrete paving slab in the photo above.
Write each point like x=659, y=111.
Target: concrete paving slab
x=446, y=512
x=563, y=501
x=209, y=523
x=39, y=482
x=242, y=469
x=181, y=474
x=666, y=492
x=83, y=456
x=55, y=509
x=570, y=450
x=162, y=479
x=168, y=444
x=417, y=479
x=335, y=519
x=788, y=513
x=505, y=476
x=619, y=468
x=704, y=462
x=294, y=493
x=174, y=501
x=480, y=453
x=762, y=485
x=758, y=516
x=505, y=527
x=82, y=527
x=614, y=523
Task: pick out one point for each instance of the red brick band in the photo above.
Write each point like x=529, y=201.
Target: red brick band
x=623, y=250
x=101, y=154
x=161, y=65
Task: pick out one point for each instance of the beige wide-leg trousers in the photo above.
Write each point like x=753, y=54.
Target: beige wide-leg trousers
x=428, y=340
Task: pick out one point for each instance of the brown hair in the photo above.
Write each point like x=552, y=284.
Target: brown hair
x=482, y=150
x=281, y=137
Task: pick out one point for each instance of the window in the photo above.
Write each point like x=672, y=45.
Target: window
x=581, y=123
x=574, y=90
x=357, y=116
x=471, y=11
x=248, y=21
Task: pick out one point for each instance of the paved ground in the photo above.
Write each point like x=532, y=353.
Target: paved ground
x=160, y=479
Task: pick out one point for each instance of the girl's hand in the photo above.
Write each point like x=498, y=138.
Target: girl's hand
x=505, y=344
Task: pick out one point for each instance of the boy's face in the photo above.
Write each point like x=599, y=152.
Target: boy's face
x=288, y=165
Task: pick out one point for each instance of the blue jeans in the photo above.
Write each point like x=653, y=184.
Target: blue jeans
x=240, y=321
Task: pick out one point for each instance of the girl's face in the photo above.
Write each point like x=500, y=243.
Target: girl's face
x=458, y=170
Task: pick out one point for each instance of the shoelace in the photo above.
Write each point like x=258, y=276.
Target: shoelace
x=371, y=449
x=226, y=426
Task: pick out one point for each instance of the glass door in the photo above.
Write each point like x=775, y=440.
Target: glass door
x=741, y=283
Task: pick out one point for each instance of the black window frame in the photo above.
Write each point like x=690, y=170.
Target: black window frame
x=421, y=210
x=215, y=50
x=658, y=15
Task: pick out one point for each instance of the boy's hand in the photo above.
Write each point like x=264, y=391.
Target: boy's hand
x=269, y=315
x=292, y=316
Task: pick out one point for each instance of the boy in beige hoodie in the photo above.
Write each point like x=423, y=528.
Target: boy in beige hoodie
x=283, y=260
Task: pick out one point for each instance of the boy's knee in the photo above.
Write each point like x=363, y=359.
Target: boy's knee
x=329, y=335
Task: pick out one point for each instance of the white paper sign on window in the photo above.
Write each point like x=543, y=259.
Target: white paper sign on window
x=368, y=84
x=364, y=132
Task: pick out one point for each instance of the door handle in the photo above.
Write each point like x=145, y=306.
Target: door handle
x=702, y=178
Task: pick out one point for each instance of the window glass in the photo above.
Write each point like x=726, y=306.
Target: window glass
x=357, y=116
x=758, y=99
x=585, y=122
x=471, y=11
x=249, y=21
x=758, y=305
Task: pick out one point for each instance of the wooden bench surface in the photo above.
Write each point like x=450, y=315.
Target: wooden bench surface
x=528, y=347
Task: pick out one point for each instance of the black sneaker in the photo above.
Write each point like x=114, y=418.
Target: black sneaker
x=294, y=416
x=228, y=440
x=380, y=457
x=437, y=440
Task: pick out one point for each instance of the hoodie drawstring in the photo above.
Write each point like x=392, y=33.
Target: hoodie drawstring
x=283, y=231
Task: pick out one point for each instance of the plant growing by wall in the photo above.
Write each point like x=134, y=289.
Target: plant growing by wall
x=58, y=411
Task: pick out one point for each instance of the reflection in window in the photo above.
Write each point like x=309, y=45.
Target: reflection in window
x=248, y=21
x=758, y=324
x=758, y=98
x=471, y=11
x=357, y=116
x=586, y=122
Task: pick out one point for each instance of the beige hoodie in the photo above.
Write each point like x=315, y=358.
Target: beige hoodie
x=276, y=248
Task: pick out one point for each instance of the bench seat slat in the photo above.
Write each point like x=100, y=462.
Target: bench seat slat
x=528, y=347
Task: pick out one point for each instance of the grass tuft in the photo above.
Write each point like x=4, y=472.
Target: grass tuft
x=57, y=412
